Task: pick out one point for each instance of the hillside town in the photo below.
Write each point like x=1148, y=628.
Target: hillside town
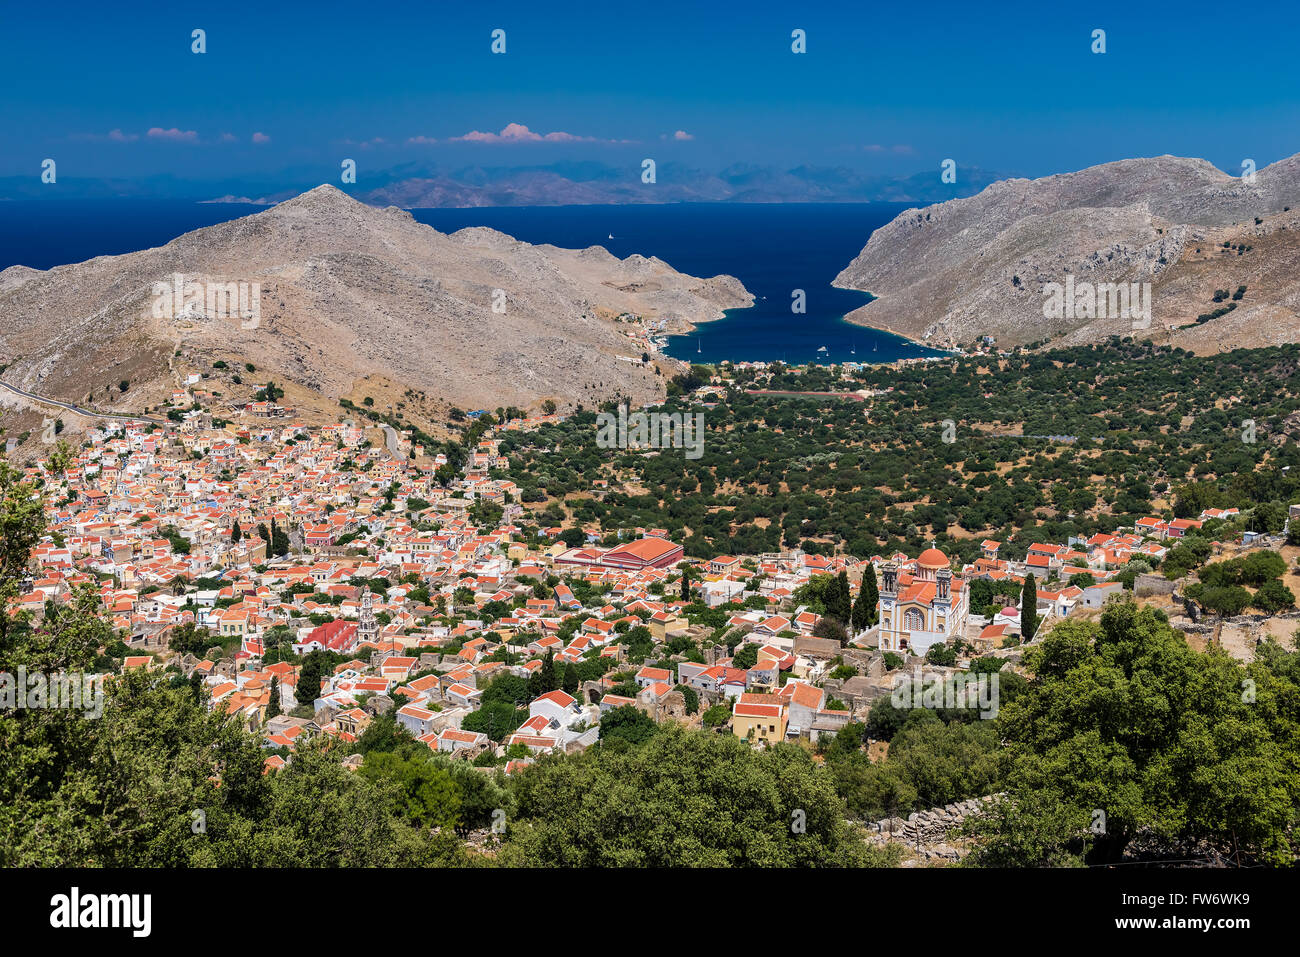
x=232, y=556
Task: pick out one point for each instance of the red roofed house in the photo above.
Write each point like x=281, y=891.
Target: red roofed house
x=340, y=636
x=644, y=553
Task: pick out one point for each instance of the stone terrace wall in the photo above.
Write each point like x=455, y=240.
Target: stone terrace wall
x=930, y=826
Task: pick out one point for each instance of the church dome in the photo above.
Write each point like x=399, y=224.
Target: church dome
x=932, y=558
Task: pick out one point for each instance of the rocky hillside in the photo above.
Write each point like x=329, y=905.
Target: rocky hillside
x=980, y=266
x=348, y=293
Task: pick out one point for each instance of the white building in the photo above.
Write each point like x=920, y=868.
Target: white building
x=921, y=605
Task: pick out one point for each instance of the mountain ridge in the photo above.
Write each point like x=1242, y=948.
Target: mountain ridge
x=350, y=292
x=951, y=272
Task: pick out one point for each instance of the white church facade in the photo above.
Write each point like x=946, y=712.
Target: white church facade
x=921, y=604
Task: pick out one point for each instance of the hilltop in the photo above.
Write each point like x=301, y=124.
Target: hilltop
x=978, y=266
x=349, y=292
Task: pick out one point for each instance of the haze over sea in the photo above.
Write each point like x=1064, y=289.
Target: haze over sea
x=773, y=249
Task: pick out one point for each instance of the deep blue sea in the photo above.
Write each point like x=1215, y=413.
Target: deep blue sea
x=773, y=249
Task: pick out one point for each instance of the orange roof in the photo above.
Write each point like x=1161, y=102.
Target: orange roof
x=646, y=549
x=933, y=558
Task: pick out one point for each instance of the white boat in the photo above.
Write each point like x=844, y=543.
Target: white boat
x=822, y=349
x=611, y=235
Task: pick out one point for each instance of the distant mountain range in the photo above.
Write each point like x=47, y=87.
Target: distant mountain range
x=557, y=184
x=1219, y=255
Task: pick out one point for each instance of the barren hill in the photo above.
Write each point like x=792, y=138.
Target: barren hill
x=349, y=292
x=979, y=266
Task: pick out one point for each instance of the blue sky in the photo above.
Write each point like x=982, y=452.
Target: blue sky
x=891, y=87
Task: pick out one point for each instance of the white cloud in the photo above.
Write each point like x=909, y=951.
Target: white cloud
x=174, y=134
x=518, y=133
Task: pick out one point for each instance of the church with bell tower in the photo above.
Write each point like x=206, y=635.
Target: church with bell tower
x=367, y=624
x=921, y=603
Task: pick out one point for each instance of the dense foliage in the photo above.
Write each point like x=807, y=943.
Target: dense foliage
x=1045, y=446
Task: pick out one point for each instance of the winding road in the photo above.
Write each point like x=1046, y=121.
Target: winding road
x=390, y=440
x=89, y=413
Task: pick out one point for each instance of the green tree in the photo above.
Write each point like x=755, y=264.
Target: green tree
x=570, y=682
x=547, y=678
x=838, y=599
x=930, y=763
x=941, y=654
x=497, y=719
x=690, y=696
x=273, y=706
x=1029, y=608
x=864, y=609
x=716, y=716
x=1273, y=597
x=430, y=797
x=682, y=799
x=627, y=723
x=314, y=666
x=746, y=656
x=1123, y=718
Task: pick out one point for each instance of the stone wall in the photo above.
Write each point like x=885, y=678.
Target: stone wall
x=1151, y=584
x=931, y=827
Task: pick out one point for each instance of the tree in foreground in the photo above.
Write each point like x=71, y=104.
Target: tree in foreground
x=1126, y=731
x=682, y=799
x=156, y=780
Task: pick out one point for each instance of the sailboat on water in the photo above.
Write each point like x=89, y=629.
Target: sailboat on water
x=698, y=346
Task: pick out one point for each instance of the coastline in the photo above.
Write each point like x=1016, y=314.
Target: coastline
x=853, y=319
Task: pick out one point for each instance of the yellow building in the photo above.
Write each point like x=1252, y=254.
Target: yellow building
x=663, y=625
x=759, y=717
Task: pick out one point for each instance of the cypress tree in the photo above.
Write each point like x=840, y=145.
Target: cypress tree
x=864, y=609
x=1028, y=608
x=548, y=679
x=873, y=596
x=838, y=600
x=309, y=675
x=273, y=708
